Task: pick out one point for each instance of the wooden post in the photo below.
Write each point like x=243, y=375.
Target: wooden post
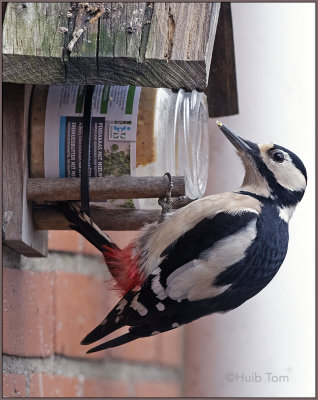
x=222, y=90
x=143, y=44
x=18, y=228
x=108, y=187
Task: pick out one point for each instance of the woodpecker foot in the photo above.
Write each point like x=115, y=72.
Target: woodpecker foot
x=166, y=201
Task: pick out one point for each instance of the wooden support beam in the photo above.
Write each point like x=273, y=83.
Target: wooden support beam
x=108, y=187
x=18, y=229
x=107, y=219
x=222, y=90
x=144, y=44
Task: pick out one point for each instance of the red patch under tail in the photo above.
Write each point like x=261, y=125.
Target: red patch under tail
x=123, y=265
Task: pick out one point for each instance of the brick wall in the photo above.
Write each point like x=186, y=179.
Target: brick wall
x=50, y=304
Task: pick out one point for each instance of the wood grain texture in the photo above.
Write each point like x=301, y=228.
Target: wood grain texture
x=32, y=46
x=18, y=228
x=144, y=44
x=113, y=220
x=124, y=187
x=222, y=90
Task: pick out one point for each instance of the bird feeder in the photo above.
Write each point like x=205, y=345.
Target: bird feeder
x=30, y=222
x=28, y=191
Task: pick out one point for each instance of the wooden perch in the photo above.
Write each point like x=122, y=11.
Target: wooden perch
x=125, y=187
x=143, y=44
x=46, y=218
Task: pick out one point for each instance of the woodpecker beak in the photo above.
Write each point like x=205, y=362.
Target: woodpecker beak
x=239, y=143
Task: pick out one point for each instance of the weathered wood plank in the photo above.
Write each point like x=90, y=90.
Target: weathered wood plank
x=146, y=44
x=32, y=46
x=121, y=29
x=107, y=187
x=135, y=15
x=222, y=90
x=113, y=220
x=82, y=42
x=182, y=31
x=18, y=227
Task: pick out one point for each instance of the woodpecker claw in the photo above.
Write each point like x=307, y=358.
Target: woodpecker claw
x=166, y=201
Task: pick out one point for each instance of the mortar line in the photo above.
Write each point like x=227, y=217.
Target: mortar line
x=121, y=370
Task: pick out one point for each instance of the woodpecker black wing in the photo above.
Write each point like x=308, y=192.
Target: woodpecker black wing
x=204, y=238
x=181, y=288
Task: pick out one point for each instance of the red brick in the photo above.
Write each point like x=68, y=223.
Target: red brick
x=102, y=388
x=73, y=242
x=119, y=237
x=157, y=389
x=88, y=248
x=68, y=241
x=14, y=385
x=165, y=348
x=45, y=385
x=82, y=301
x=170, y=351
x=28, y=319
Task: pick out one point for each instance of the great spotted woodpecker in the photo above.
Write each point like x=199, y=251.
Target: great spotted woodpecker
x=210, y=256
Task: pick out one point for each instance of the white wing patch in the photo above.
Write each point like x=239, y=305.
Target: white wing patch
x=194, y=281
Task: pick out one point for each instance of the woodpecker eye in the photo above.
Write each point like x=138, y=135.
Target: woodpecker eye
x=277, y=156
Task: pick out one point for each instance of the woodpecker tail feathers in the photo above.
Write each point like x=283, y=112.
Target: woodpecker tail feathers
x=108, y=326
x=122, y=263
x=103, y=329
x=83, y=224
x=116, y=319
x=118, y=341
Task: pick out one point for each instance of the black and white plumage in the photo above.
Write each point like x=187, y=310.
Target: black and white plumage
x=212, y=255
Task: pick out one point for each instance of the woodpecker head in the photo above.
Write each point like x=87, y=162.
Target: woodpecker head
x=270, y=170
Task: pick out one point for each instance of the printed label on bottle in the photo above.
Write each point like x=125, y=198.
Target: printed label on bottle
x=114, y=115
